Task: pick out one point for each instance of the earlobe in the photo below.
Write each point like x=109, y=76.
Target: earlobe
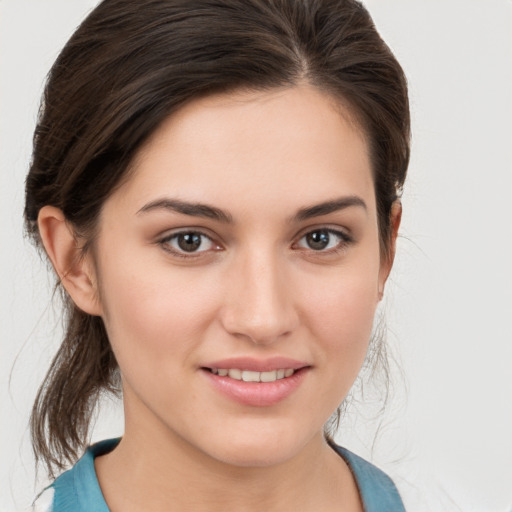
x=387, y=263
x=75, y=271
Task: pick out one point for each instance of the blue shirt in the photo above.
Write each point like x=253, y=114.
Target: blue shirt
x=78, y=490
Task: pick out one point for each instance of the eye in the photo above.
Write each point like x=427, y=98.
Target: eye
x=188, y=242
x=323, y=240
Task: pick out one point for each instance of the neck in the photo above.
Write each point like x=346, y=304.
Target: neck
x=152, y=473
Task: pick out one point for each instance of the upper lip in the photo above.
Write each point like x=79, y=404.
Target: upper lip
x=257, y=365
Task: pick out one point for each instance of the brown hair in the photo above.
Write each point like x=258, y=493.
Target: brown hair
x=126, y=69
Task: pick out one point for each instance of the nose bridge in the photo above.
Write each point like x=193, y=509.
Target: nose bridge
x=259, y=302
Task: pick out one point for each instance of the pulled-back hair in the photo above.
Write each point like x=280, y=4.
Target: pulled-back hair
x=128, y=67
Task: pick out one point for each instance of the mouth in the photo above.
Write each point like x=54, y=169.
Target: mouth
x=256, y=383
x=253, y=376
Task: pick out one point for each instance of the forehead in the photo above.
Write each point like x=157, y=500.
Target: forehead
x=290, y=145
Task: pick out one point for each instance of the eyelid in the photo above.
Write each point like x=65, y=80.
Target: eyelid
x=336, y=229
x=346, y=238
x=164, y=240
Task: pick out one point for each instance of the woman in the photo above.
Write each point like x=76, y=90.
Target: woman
x=216, y=185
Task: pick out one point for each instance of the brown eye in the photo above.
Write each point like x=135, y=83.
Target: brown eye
x=318, y=240
x=323, y=240
x=188, y=242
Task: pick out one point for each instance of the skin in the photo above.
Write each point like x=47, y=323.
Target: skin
x=254, y=288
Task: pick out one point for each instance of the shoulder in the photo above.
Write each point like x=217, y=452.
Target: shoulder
x=377, y=490
x=77, y=489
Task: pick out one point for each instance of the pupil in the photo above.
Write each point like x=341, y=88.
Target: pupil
x=318, y=240
x=189, y=242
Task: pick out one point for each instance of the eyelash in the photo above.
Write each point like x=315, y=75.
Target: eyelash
x=165, y=243
x=341, y=245
x=344, y=241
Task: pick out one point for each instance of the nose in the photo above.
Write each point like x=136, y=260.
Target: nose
x=259, y=302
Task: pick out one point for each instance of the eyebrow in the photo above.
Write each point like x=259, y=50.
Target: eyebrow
x=186, y=208
x=211, y=212
x=329, y=207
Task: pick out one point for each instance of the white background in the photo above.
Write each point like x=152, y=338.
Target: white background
x=447, y=436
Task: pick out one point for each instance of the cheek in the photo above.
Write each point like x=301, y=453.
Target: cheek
x=341, y=315
x=150, y=311
x=348, y=315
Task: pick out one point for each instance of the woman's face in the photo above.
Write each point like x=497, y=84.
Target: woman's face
x=245, y=243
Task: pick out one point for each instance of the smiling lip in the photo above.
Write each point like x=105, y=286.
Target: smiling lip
x=259, y=394
x=257, y=365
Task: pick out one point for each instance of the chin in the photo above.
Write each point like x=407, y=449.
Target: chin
x=255, y=456
x=258, y=449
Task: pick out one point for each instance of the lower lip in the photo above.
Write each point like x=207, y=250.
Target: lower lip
x=258, y=394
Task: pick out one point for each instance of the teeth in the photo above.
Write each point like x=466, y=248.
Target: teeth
x=250, y=376
x=235, y=374
x=268, y=376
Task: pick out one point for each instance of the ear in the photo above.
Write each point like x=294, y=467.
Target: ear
x=389, y=258
x=75, y=270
